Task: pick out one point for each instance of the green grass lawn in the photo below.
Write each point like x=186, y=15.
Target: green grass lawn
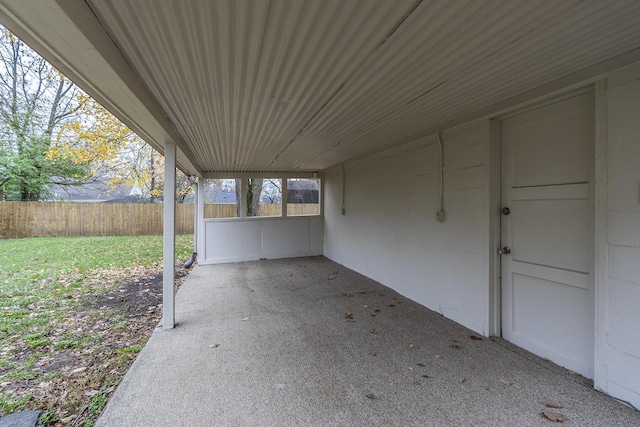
x=48, y=324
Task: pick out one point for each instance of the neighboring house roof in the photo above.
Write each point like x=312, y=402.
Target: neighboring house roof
x=134, y=198
x=304, y=191
x=98, y=191
x=220, y=196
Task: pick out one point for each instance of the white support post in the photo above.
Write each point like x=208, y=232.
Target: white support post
x=169, y=237
x=196, y=224
x=244, y=189
x=283, y=199
x=200, y=220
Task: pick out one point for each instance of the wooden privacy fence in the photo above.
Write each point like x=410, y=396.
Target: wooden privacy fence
x=42, y=219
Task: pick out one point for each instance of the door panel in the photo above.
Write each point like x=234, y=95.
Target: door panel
x=537, y=224
x=546, y=284
x=533, y=296
x=552, y=145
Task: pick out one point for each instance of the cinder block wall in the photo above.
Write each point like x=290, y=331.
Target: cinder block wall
x=389, y=231
x=619, y=321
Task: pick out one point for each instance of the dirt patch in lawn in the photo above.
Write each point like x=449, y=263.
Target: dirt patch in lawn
x=139, y=295
x=71, y=372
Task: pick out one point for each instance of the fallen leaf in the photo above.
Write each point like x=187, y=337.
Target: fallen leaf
x=373, y=331
x=438, y=356
x=244, y=319
x=413, y=346
x=475, y=337
x=421, y=364
x=550, y=403
x=509, y=383
x=78, y=370
x=391, y=305
x=371, y=396
x=331, y=277
x=214, y=346
x=348, y=315
x=554, y=416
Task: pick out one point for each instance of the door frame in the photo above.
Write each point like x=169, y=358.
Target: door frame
x=598, y=224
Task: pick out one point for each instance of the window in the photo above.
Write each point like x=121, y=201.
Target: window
x=264, y=197
x=220, y=198
x=260, y=197
x=303, y=196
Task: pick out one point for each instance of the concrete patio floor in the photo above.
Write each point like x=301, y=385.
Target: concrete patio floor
x=268, y=343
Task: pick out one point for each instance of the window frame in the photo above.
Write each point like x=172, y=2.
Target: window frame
x=244, y=177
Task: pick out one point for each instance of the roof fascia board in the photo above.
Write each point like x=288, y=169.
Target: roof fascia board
x=268, y=175
x=88, y=24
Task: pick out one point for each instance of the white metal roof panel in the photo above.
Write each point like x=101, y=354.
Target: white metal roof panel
x=284, y=85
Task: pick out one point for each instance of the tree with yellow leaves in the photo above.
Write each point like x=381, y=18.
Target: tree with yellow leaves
x=35, y=100
x=52, y=133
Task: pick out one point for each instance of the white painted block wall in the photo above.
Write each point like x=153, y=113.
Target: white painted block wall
x=250, y=239
x=390, y=232
x=619, y=323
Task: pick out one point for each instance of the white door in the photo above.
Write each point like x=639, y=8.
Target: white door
x=546, y=285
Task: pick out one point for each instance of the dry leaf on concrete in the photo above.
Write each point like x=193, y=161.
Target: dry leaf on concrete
x=509, y=383
x=550, y=403
x=374, y=331
x=413, y=346
x=475, y=337
x=348, y=315
x=554, y=416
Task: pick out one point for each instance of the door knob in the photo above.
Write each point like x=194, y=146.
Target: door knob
x=504, y=250
x=506, y=211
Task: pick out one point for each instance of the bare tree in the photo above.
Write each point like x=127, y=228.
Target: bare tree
x=35, y=99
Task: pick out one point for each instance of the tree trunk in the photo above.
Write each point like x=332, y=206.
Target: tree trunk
x=252, y=198
x=254, y=190
x=152, y=186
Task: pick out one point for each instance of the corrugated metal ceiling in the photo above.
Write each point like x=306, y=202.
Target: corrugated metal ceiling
x=302, y=85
